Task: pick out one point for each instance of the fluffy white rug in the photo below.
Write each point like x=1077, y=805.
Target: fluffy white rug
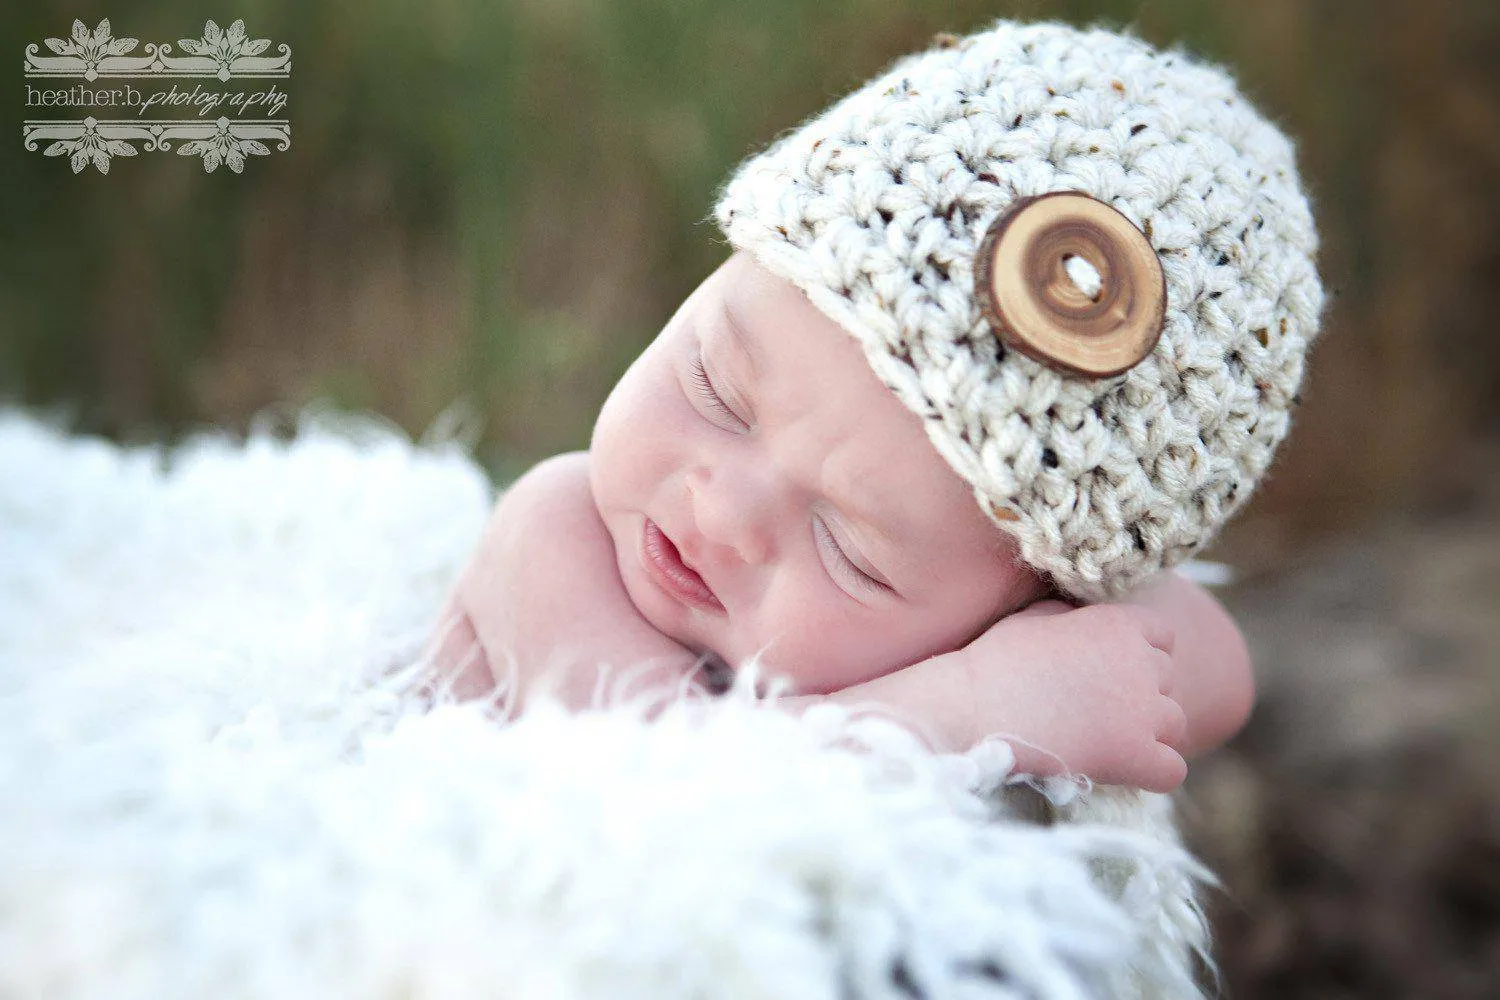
x=213, y=785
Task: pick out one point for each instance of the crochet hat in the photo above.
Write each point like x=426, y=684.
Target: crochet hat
x=1110, y=370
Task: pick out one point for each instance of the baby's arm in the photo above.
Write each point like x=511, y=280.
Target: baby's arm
x=1113, y=691
x=543, y=590
x=1083, y=690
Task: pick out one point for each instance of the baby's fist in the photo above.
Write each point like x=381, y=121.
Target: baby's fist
x=1090, y=689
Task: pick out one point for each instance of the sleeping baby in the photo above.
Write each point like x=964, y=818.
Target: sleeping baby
x=1002, y=337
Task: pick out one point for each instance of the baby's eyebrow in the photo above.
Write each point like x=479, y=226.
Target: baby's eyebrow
x=748, y=347
x=845, y=502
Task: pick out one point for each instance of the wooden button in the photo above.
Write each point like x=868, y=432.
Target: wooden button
x=1069, y=281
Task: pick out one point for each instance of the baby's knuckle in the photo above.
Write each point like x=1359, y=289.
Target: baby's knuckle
x=1146, y=667
x=1174, y=726
x=1111, y=619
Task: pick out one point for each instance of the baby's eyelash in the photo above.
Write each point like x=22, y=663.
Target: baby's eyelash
x=705, y=389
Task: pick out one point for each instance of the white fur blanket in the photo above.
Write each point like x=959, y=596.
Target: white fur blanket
x=212, y=785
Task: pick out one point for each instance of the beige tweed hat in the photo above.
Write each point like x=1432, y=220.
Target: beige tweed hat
x=1111, y=370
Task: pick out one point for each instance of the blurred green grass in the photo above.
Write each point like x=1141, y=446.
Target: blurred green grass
x=501, y=203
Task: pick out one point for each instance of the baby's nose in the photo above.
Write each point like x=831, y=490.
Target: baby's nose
x=734, y=513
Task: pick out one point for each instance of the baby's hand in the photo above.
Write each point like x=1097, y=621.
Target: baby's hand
x=1090, y=689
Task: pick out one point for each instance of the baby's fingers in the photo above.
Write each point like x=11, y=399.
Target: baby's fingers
x=1156, y=629
x=1165, y=770
x=1166, y=675
x=1171, y=724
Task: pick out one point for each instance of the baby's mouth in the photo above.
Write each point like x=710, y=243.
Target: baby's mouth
x=667, y=570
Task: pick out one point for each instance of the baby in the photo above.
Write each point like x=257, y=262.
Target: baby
x=906, y=325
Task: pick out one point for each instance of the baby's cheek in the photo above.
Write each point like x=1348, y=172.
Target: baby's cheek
x=821, y=639
x=630, y=457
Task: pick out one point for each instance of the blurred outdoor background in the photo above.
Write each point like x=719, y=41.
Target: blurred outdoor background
x=500, y=203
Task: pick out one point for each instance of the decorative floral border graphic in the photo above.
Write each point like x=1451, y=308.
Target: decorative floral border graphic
x=94, y=142
x=222, y=53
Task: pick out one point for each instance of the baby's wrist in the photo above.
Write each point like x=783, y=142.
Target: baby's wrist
x=951, y=690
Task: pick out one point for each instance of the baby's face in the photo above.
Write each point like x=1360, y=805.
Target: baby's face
x=751, y=453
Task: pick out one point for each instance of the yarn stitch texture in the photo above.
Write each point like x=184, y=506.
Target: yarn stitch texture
x=876, y=207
